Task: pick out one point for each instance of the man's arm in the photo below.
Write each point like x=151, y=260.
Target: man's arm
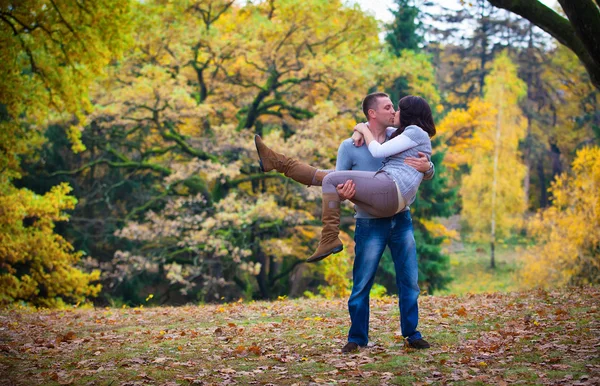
x=344, y=162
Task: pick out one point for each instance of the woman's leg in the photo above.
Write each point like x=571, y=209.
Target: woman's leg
x=294, y=169
x=377, y=193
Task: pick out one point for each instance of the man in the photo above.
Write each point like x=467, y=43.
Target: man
x=373, y=234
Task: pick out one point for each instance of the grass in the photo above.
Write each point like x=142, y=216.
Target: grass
x=534, y=337
x=470, y=268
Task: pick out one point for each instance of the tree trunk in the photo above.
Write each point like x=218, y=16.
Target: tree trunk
x=555, y=158
x=528, y=137
x=495, y=181
x=262, y=276
x=543, y=184
x=484, y=20
x=584, y=16
x=527, y=159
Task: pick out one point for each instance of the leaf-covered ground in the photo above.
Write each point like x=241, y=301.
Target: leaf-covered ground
x=532, y=337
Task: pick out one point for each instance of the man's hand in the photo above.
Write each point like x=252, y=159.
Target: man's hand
x=357, y=139
x=346, y=190
x=421, y=164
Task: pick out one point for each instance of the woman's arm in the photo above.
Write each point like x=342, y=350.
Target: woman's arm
x=357, y=139
x=393, y=146
x=363, y=129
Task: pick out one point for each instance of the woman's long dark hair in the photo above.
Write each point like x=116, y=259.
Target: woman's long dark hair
x=415, y=110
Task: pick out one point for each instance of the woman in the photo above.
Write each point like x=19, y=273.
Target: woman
x=382, y=193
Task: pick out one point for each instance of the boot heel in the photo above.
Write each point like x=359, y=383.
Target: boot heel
x=260, y=163
x=324, y=255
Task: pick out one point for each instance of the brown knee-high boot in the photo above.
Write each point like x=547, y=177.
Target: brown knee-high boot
x=296, y=170
x=330, y=241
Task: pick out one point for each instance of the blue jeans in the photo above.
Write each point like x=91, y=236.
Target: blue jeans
x=371, y=237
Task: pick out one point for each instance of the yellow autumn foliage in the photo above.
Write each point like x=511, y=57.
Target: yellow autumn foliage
x=436, y=229
x=50, y=53
x=492, y=193
x=461, y=132
x=36, y=264
x=336, y=269
x=567, y=234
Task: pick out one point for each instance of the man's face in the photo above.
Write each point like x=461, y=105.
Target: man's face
x=384, y=112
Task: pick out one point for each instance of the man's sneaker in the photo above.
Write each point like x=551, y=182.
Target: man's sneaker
x=350, y=347
x=419, y=344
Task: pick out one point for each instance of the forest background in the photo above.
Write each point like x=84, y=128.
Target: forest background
x=128, y=173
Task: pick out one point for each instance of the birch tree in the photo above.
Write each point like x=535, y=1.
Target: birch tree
x=492, y=192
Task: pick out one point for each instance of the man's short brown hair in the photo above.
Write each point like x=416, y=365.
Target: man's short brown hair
x=370, y=102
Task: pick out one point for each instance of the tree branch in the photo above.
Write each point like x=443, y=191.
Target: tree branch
x=149, y=203
x=174, y=136
x=286, y=272
x=125, y=165
x=562, y=29
x=584, y=16
x=255, y=177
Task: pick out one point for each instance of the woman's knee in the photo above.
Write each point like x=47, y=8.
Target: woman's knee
x=329, y=183
x=328, y=179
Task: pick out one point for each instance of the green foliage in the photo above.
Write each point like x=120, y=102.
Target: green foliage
x=403, y=35
x=436, y=199
x=50, y=55
x=433, y=263
x=404, y=31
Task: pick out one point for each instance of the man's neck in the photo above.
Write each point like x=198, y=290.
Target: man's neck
x=378, y=131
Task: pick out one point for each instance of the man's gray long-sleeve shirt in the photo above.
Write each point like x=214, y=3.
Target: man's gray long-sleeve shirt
x=351, y=157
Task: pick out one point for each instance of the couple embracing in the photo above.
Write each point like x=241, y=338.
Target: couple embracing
x=381, y=178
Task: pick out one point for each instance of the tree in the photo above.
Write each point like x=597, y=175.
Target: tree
x=485, y=138
x=169, y=156
x=50, y=54
x=436, y=199
x=403, y=35
x=579, y=31
x=562, y=113
x=531, y=61
x=500, y=154
x=38, y=264
x=470, y=38
x=404, y=31
x=567, y=234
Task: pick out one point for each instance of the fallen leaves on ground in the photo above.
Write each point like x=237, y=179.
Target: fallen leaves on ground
x=535, y=337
